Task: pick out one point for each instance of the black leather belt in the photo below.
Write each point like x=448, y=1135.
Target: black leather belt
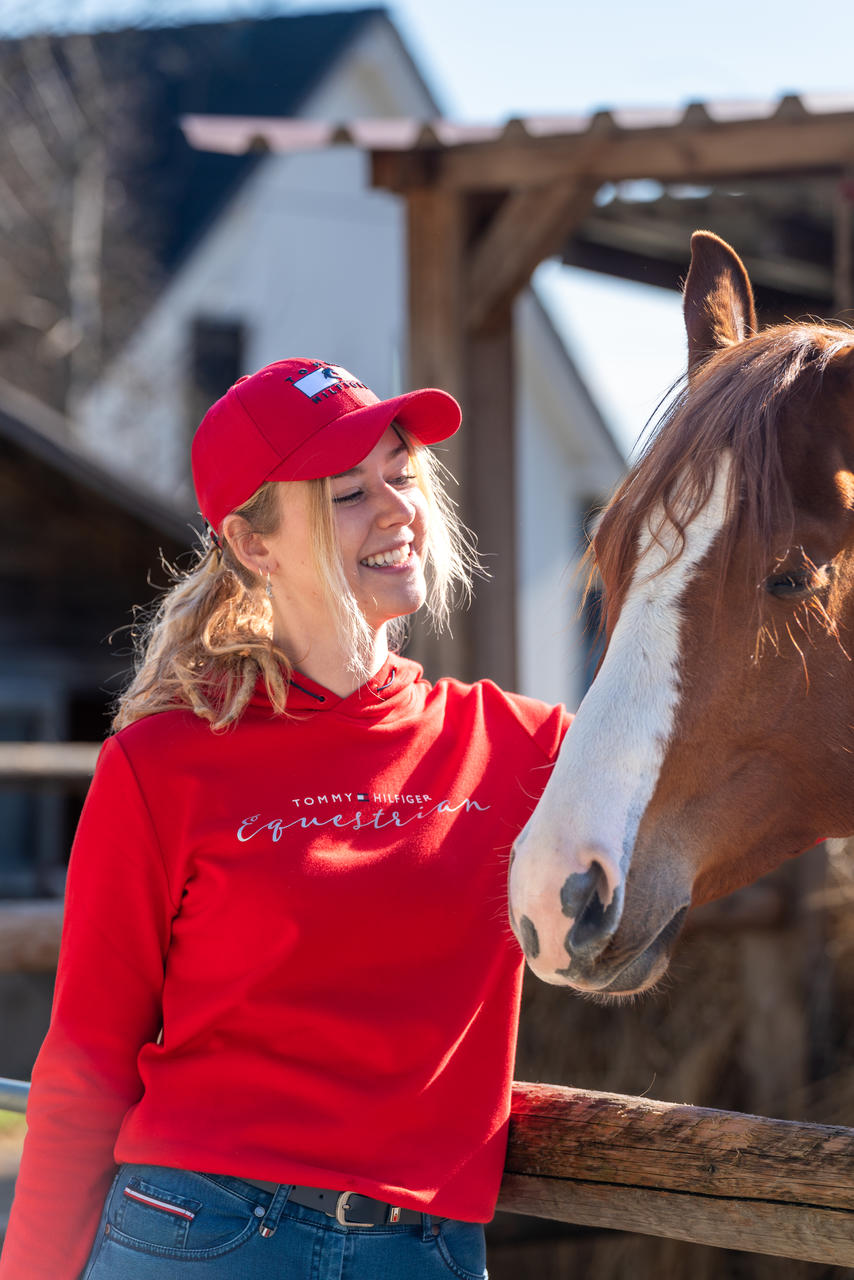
x=347, y=1207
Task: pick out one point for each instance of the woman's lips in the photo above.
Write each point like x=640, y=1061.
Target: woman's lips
x=397, y=558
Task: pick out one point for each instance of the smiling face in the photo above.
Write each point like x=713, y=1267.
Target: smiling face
x=381, y=522
x=379, y=517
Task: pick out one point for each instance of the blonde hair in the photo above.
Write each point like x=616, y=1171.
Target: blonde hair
x=210, y=637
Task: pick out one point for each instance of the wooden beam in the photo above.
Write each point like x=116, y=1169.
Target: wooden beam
x=37, y=763
x=404, y=171
x=691, y=1173
x=698, y=153
x=531, y=225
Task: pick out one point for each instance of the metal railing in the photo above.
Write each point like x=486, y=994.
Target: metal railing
x=13, y=1094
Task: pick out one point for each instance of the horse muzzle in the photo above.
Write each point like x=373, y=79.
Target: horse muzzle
x=575, y=929
x=624, y=970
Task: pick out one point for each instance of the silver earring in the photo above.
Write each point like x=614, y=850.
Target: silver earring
x=268, y=589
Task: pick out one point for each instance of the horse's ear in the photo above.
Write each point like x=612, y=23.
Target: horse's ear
x=718, y=300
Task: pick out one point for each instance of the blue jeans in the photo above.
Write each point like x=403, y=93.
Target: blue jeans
x=158, y=1222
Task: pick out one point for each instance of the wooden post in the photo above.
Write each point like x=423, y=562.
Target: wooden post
x=528, y=226
x=436, y=237
x=476, y=367
x=463, y=279
x=491, y=469
x=689, y=1173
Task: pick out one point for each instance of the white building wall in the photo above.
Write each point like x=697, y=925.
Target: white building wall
x=307, y=256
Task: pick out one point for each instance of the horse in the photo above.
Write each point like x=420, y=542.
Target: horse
x=717, y=737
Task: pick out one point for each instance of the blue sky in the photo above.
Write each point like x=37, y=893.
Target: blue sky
x=492, y=59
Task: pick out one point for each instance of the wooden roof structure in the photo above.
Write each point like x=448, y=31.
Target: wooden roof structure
x=486, y=204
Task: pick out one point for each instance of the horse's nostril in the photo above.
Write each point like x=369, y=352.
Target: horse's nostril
x=579, y=888
x=530, y=939
x=582, y=898
x=589, y=923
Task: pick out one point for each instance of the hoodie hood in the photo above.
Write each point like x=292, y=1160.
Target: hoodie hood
x=392, y=690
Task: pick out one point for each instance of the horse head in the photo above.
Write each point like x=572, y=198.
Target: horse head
x=717, y=738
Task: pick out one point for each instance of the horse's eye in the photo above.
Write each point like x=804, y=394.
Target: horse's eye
x=789, y=586
x=799, y=584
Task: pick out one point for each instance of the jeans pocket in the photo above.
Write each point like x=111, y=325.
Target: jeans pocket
x=174, y=1213
x=149, y=1212
x=463, y=1248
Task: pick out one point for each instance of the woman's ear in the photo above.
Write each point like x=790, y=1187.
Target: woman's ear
x=718, y=301
x=249, y=547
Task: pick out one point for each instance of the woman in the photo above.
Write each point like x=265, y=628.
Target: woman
x=287, y=994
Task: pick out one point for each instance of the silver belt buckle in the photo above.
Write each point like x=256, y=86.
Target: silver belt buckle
x=341, y=1208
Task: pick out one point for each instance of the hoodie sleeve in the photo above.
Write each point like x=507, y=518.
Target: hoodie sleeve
x=119, y=910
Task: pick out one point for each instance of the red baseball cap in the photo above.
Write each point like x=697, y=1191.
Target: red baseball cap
x=299, y=420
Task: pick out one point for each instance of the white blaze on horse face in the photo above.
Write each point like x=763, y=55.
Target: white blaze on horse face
x=610, y=761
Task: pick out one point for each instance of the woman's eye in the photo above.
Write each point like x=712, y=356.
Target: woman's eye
x=399, y=482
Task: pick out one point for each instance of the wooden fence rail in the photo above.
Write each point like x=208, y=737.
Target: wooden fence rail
x=664, y=1169
x=46, y=763
x=29, y=936
x=691, y=1173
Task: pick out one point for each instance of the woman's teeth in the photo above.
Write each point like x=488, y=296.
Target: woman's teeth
x=388, y=557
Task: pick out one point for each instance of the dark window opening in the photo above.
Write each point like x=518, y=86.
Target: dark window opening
x=217, y=349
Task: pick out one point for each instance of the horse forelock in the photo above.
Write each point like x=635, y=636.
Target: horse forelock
x=735, y=403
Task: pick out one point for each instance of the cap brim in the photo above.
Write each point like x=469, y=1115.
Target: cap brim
x=428, y=415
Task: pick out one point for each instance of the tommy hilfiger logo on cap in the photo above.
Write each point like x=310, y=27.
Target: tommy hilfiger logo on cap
x=317, y=384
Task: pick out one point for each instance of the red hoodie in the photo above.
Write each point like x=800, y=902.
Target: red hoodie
x=313, y=909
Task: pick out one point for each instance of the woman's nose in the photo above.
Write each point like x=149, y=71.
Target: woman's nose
x=395, y=508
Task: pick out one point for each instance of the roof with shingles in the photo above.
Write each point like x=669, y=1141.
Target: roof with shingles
x=265, y=66
x=118, y=94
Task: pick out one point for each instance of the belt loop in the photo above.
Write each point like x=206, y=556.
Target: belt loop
x=274, y=1210
x=429, y=1227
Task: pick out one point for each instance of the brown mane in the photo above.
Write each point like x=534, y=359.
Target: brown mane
x=735, y=402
